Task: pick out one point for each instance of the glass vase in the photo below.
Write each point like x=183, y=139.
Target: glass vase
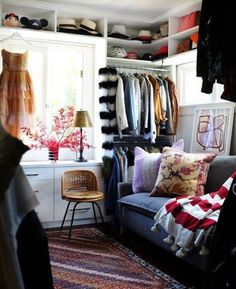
x=53, y=154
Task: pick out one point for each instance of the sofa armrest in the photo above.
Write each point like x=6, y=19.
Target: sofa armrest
x=124, y=189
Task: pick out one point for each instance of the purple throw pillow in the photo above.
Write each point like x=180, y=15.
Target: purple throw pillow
x=146, y=167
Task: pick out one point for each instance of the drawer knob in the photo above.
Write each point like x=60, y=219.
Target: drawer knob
x=32, y=175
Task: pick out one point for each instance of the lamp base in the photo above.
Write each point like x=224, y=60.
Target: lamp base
x=81, y=160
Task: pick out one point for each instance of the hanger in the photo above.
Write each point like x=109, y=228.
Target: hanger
x=16, y=36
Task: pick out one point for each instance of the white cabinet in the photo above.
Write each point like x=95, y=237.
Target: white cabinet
x=45, y=179
x=44, y=192
x=41, y=180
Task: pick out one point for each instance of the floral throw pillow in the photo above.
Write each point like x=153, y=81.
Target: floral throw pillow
x=181, y=173
x=146, y=166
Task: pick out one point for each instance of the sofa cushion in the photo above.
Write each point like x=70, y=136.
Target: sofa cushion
x=181, y=173
x=146, y=166
x=144, y=202
x=220, y=169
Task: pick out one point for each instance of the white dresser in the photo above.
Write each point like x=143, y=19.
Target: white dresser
x=45, y=179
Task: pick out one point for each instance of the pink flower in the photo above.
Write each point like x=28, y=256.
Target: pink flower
x=59, y=135
x=185, y=171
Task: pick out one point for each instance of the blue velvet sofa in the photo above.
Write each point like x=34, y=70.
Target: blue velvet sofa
x=138, y=210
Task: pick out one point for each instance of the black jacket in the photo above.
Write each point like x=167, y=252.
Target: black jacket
x=216, y=53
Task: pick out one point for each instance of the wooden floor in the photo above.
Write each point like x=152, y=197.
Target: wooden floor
x=177, y=268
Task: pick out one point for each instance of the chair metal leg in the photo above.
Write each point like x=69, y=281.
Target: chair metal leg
x=100, y=212
x=94, y=212
x=67, y=208
x=72, y=219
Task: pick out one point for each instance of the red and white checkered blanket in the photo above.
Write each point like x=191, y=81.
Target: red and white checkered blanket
x=189, y=220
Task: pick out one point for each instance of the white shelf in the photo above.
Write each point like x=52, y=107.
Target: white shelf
x=176, y=59
x=127, y=43
x=184, y=34
x=30, y=11
x=172, y=41
x=136, y=43
x=124, y=62
x=49, y=11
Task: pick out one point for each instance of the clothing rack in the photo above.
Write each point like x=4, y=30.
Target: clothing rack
x=131, y=141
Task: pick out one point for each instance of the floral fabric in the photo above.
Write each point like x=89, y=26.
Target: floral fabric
x=146, y=166
x=181, y=173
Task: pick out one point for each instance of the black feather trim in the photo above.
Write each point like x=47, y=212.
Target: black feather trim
x=107, y=70
x=106, y=166
x=109, y=129
x=107, y=99
x=108, y=84
x=108, y=145
x=107, y=115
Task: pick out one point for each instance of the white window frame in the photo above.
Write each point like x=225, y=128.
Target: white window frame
x=214, y=97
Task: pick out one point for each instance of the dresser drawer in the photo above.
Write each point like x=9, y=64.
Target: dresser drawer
x=44, y=192
x=39, y=173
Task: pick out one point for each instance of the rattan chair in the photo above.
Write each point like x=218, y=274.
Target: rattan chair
x=80, y=186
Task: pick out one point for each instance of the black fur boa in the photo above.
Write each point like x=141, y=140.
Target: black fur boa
x=108, y=81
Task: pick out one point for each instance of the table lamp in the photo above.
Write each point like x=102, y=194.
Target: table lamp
x=82, y=119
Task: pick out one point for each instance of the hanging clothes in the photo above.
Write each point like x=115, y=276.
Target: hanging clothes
x=111, y=187
x=137, y=107
x=151, y=119
x=130, y=104
x=157, y=103
x=169, y=122
x=174, y=103
x=143, y=101
x=16, y=92
x=122, y=122
x=216, y=55
x=163, y=101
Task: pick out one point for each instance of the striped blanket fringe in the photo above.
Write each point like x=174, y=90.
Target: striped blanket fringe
x=189, y=220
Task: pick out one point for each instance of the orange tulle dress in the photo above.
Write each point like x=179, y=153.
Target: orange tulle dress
x=16, y=92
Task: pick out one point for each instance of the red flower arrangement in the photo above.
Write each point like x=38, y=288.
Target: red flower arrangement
x=60, y=134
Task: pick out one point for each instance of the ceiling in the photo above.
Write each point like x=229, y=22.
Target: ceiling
x=124, y=11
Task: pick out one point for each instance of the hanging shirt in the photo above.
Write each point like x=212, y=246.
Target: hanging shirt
x=169, y=122
x=137, y=103
x=174, y=104
x=163, y=101
x=157, y=103
x=151, y=120
x=144, y=101
x=129, y=103
x=122, y=121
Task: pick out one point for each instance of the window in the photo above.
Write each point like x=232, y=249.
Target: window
x=57, y=79
x=65, y=67
x=36, y=67
x=189, y=87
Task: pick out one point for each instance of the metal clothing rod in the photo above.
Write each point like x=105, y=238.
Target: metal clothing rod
x=144, y=68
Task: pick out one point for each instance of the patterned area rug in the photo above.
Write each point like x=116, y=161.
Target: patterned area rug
x=92, y=260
